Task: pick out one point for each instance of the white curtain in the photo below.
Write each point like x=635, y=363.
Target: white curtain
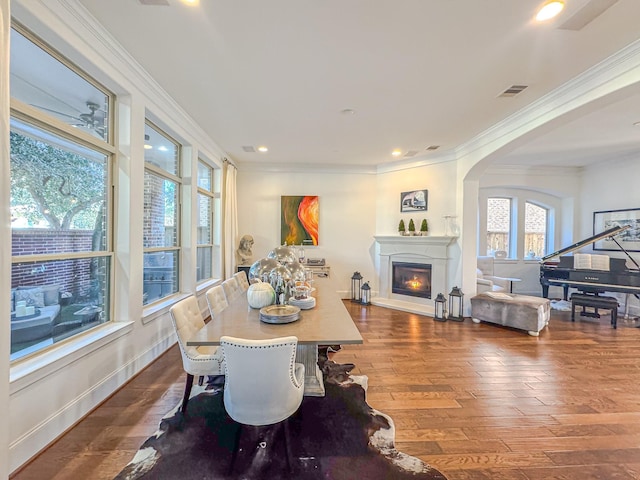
x=230, y=218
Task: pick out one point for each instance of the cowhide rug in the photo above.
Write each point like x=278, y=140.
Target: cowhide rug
x=335, y=437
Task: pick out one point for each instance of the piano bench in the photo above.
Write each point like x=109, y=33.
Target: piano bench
x=596, y=302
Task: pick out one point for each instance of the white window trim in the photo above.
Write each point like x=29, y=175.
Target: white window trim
x=519, y=197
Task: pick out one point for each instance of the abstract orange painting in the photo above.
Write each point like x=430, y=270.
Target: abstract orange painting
x=299, y=220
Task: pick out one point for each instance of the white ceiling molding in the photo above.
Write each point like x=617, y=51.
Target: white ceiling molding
x=93, y=44
x=306, y=168
x=618, y=71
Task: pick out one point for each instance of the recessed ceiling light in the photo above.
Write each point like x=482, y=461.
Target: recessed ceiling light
x=190, y=2
x=396, y=152
x=550, y=10
x=162, y=148
x=263, y=149
x=147, y=146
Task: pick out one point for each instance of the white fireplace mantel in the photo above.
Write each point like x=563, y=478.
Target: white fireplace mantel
x=397, y=248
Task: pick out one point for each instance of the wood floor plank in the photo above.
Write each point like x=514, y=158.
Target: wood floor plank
x=478, y=402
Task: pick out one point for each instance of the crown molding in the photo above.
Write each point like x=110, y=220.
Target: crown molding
x=620, y=70
x=306, y=168
x=88, y=44
x=422, y=161
x=533, y=170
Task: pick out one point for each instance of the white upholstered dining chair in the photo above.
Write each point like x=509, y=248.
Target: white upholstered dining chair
x=231, y=289
x=216, y=299
x=196, y=361
x=243, y=281
x=263, y=384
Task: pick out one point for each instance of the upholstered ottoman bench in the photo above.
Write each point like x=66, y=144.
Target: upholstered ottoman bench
x=517, y=311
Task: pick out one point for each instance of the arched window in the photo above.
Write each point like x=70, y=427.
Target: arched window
x=535, y=230
x=498, y=226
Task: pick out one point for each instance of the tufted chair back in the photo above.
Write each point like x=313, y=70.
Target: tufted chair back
x=243, y=282
x=217, y=300
x=196, y=361
x=231, y=288
x=263, y=384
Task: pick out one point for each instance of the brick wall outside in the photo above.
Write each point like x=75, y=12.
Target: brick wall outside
x=74, y=276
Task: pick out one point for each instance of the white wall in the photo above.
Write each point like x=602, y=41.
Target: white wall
x=611, y=185
x=554, y=188
x=439, y=179
x=347, y=216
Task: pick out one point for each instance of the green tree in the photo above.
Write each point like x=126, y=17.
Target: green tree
x=50, y=183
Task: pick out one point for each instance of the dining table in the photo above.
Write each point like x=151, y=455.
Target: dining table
x=327, y=323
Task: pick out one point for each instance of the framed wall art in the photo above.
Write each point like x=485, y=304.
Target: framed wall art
x=414, y=201
x=299, y=220
x=629, y=239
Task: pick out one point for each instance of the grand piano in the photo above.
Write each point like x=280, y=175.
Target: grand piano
x=562, y=273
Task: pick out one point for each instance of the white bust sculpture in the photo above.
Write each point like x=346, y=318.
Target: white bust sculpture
x=244, y=250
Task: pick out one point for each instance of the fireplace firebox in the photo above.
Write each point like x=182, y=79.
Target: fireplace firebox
x=413, y=279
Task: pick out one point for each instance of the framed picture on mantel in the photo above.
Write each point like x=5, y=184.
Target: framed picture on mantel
x=414, y=201
x=629, y=239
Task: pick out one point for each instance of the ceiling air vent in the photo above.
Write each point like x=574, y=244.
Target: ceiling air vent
x=432, y=147
x=411, y=153
x=248, y=148
x=154, y=2
x=513, y=90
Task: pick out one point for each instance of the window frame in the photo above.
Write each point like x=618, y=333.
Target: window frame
x=512, y=223
x=178, y=180
x=525, y=254
x=39, y=119
x=211, y=196
x=519, y=197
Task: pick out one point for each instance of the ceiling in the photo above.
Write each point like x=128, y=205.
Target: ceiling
x=346, y=82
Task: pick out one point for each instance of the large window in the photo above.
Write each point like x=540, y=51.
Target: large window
x=535, y=230
x=516, y=223
x=498, y=226
x=208, y=212
x=161, y=237
x=60, y=198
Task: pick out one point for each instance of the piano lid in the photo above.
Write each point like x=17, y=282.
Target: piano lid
x=576, y=246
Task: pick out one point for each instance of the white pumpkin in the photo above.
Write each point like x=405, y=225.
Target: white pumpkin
x=261, y=294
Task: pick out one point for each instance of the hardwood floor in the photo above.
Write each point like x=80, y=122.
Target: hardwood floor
x=474, y=401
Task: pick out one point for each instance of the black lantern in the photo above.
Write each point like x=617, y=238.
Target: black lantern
x=356, y=285
x=456, y=305
x=366, y=294
x=440, y=308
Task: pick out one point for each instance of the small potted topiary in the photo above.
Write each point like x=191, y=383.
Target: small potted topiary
x=424, y=228
x=401, y=228
x=412, y=227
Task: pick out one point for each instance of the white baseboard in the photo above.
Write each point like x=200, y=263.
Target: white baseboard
x=22, y=449
x=403, y=306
